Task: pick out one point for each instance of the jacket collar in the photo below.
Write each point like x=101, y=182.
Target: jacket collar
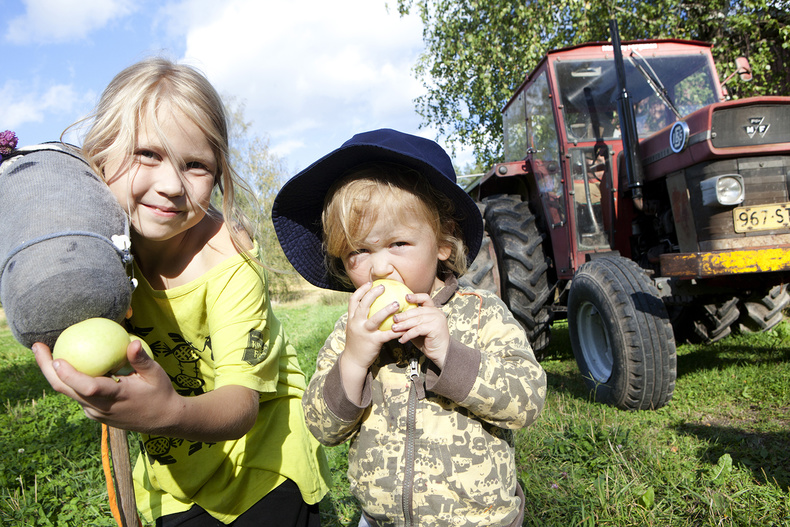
x=443, y=295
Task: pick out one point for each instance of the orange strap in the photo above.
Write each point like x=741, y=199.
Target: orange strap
x=105, y=463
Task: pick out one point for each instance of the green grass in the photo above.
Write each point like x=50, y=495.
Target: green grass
x=50, y=465
x=717, y=455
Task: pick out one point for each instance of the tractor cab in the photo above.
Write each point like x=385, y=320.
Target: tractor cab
x=563, y=126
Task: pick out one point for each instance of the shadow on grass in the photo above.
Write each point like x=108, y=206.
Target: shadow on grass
x=22, y=382
x=570, y=383
x=749, y=436
x=568, y=380
x=722, y=355
x=559, y=347
x=765, y=454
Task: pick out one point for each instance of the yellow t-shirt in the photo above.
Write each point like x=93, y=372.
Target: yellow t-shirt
x=219, y=330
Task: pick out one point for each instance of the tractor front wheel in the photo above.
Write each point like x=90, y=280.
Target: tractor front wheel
x=621, y=335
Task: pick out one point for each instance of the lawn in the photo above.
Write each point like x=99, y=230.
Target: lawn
x=718, y=454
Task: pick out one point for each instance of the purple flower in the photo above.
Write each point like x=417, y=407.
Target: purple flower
x=8, y=142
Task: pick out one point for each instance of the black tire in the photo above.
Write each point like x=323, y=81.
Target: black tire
x=706, y=323
x=483, y=273
x=761, y=313
x=525, y=285
x=621, y=335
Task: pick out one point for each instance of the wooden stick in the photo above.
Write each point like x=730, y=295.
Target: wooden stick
x=122, y=469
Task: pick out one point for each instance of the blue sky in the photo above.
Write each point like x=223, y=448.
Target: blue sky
x=311, y=73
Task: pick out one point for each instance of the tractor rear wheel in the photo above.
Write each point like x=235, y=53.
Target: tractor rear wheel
x=700, y=323
x=761, y=313
x=483, y=273
x=524, y=269
x=621, y=335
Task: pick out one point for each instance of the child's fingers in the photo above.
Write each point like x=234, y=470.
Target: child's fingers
x=410, y=326
x=377, y=319
x=422, y=299
x=360, y=306
x=427, y=329
x=420, y=322
x=86, y=390
x=357, y=297
x=419, y=315
x=61, y=375
x=138, y=358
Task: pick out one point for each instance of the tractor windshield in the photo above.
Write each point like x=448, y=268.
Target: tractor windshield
x=656, y=84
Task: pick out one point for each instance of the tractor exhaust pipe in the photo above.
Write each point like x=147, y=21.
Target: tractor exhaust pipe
x=633, y=163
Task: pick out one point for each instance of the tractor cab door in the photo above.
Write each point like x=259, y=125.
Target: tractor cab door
x=530, y=127
x=591, y=172
x=591, y=133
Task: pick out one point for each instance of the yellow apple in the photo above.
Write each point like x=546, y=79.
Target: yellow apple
x=126, y=368
x=146, y=347
x=94, y=346
x=394, y=291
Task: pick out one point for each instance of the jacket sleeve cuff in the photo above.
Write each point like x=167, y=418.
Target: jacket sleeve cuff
x=460, y=371
x=336, y=399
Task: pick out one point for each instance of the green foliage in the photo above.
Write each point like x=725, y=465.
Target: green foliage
x=478, y=53
x=262, y=174
x=717, y=455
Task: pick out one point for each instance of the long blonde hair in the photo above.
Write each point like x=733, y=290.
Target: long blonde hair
x=353, y=203
x=135, y=94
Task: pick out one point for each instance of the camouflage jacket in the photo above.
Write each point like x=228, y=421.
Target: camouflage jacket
x=431, y=447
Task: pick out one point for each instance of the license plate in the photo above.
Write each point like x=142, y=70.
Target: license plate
x=765, y=218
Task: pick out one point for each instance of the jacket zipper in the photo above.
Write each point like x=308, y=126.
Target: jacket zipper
x=411, y=425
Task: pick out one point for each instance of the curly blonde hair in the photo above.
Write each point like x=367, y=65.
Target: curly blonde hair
x=353, y=203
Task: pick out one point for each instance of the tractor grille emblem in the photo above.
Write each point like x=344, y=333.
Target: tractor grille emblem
x=679, y=136
x=756, y=126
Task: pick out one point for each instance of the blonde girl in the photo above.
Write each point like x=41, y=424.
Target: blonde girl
x=218, y=408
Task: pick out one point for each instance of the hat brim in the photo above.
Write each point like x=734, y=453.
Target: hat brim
x=296, y=212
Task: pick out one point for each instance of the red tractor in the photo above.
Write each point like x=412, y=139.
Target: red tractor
x=641, y=204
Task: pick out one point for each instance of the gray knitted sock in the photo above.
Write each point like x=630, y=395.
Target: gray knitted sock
x=58, y=262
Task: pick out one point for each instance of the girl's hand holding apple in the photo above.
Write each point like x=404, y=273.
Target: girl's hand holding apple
x=137, y=401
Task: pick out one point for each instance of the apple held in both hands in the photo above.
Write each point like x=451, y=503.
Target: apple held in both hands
x=394, y=291
x=95, y=347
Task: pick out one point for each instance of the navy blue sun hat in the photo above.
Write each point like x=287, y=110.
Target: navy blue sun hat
x=296, y=212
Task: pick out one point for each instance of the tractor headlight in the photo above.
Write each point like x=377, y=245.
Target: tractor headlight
x=723, y=190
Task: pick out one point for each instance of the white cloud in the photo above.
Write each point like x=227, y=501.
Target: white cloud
x=310, y=68
x=310, y=73
x=23, y=106
x=48, y=21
